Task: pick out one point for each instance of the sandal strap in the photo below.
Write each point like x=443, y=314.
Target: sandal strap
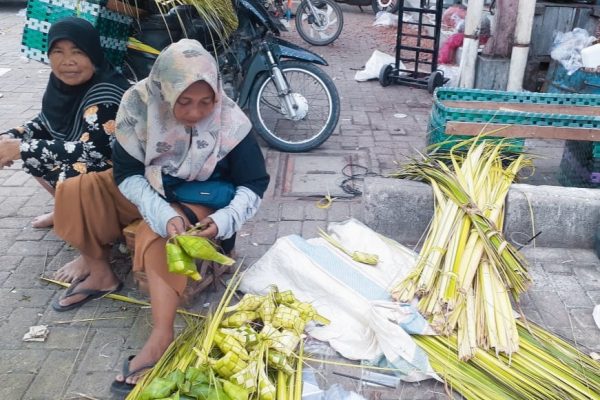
x=70, y=292
x=128, y=374
x=74, y=284
x=140, y=369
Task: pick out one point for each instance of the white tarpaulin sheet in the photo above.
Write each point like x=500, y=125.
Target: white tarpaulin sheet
x=365, y=323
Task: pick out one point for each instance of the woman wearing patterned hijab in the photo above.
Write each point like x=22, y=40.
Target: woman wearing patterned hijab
x=73, y=132
x=175, y=128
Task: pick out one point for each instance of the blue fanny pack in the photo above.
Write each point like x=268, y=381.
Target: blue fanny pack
x=214, y=193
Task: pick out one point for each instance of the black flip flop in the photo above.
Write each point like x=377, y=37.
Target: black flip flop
x=122, y=387
x=91, y=294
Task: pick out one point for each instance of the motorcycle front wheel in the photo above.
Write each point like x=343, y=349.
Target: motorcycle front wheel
x=317, y=107
x=322, y=27
x=390, y=6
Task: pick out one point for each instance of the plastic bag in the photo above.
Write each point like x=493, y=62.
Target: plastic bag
x=451, y=72
x=453, y=17
x=567, y=48
x=384, y=18
x=372, y=67
x=447, y=54
x=337, y=392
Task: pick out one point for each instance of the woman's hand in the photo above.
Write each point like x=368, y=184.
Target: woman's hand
x=9, y=151
x=208, y=228
x=175, y=226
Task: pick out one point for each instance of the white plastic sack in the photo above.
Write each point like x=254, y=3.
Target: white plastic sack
x=374, y=65
x=337, y=392
x=365, y=323
x=451, y=72
x=596, y=315
x=384, y=18
x=567, y=48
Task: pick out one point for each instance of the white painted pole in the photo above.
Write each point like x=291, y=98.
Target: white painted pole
x=520, y=51
x=468, y=60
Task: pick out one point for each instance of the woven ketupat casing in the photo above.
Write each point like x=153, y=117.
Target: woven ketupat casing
x=113, y=28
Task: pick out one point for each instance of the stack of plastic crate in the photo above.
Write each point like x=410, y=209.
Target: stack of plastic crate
x=489, y=109
x=113, y=28
x=442, y=113
x=580, y=164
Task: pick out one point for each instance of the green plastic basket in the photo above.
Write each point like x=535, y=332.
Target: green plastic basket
x=459, y=94
x=441, y=113
x=576, y=168
x=511, y=117
x=113, y=28
x=436, y=135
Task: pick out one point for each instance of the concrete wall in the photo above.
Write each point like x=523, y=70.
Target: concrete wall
x=567, y=217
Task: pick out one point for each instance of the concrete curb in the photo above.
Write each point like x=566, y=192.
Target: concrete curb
x=566, y=217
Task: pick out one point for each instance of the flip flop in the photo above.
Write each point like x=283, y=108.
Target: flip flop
x=122, y=387
x=91, y=294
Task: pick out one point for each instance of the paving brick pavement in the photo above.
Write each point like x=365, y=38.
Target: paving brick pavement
x=81, y=358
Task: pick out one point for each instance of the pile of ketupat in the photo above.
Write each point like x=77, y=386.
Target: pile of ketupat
x=250, y=350
x=463, y=278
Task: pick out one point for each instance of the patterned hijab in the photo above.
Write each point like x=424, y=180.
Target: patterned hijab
x=147, y=128
x=63, y=105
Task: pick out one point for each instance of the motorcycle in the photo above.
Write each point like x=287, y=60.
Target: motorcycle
x=390, y=6
x=320, y=22
x=292, y=103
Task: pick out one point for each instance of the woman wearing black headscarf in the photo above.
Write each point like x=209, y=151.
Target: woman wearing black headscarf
x=74, y=130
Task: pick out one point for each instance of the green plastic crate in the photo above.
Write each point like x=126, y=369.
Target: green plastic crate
x=441, y=113
x=510, y=117
x=436, y=135
x=596, y=149
x=459, y=94
x=113, y=28
x=576, y=170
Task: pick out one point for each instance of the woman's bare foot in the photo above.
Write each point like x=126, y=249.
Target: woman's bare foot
x=155, y=346
x=75, y=269
x=43, y=221
x=101, y=277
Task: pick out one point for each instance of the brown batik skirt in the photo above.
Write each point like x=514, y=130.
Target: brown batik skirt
x=90, y=213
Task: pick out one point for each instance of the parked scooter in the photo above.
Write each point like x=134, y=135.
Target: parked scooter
x=293, y=104
x=390, y=6
x=320, y=22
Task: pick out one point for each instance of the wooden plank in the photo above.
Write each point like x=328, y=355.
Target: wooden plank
x=525, y=107
x=565, y=20
x=522, y=131
x=536, y=36
x=543, y=4
x=581, y=18
x=558, y=19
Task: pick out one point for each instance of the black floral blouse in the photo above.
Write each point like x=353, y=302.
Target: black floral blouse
x=55, y=160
